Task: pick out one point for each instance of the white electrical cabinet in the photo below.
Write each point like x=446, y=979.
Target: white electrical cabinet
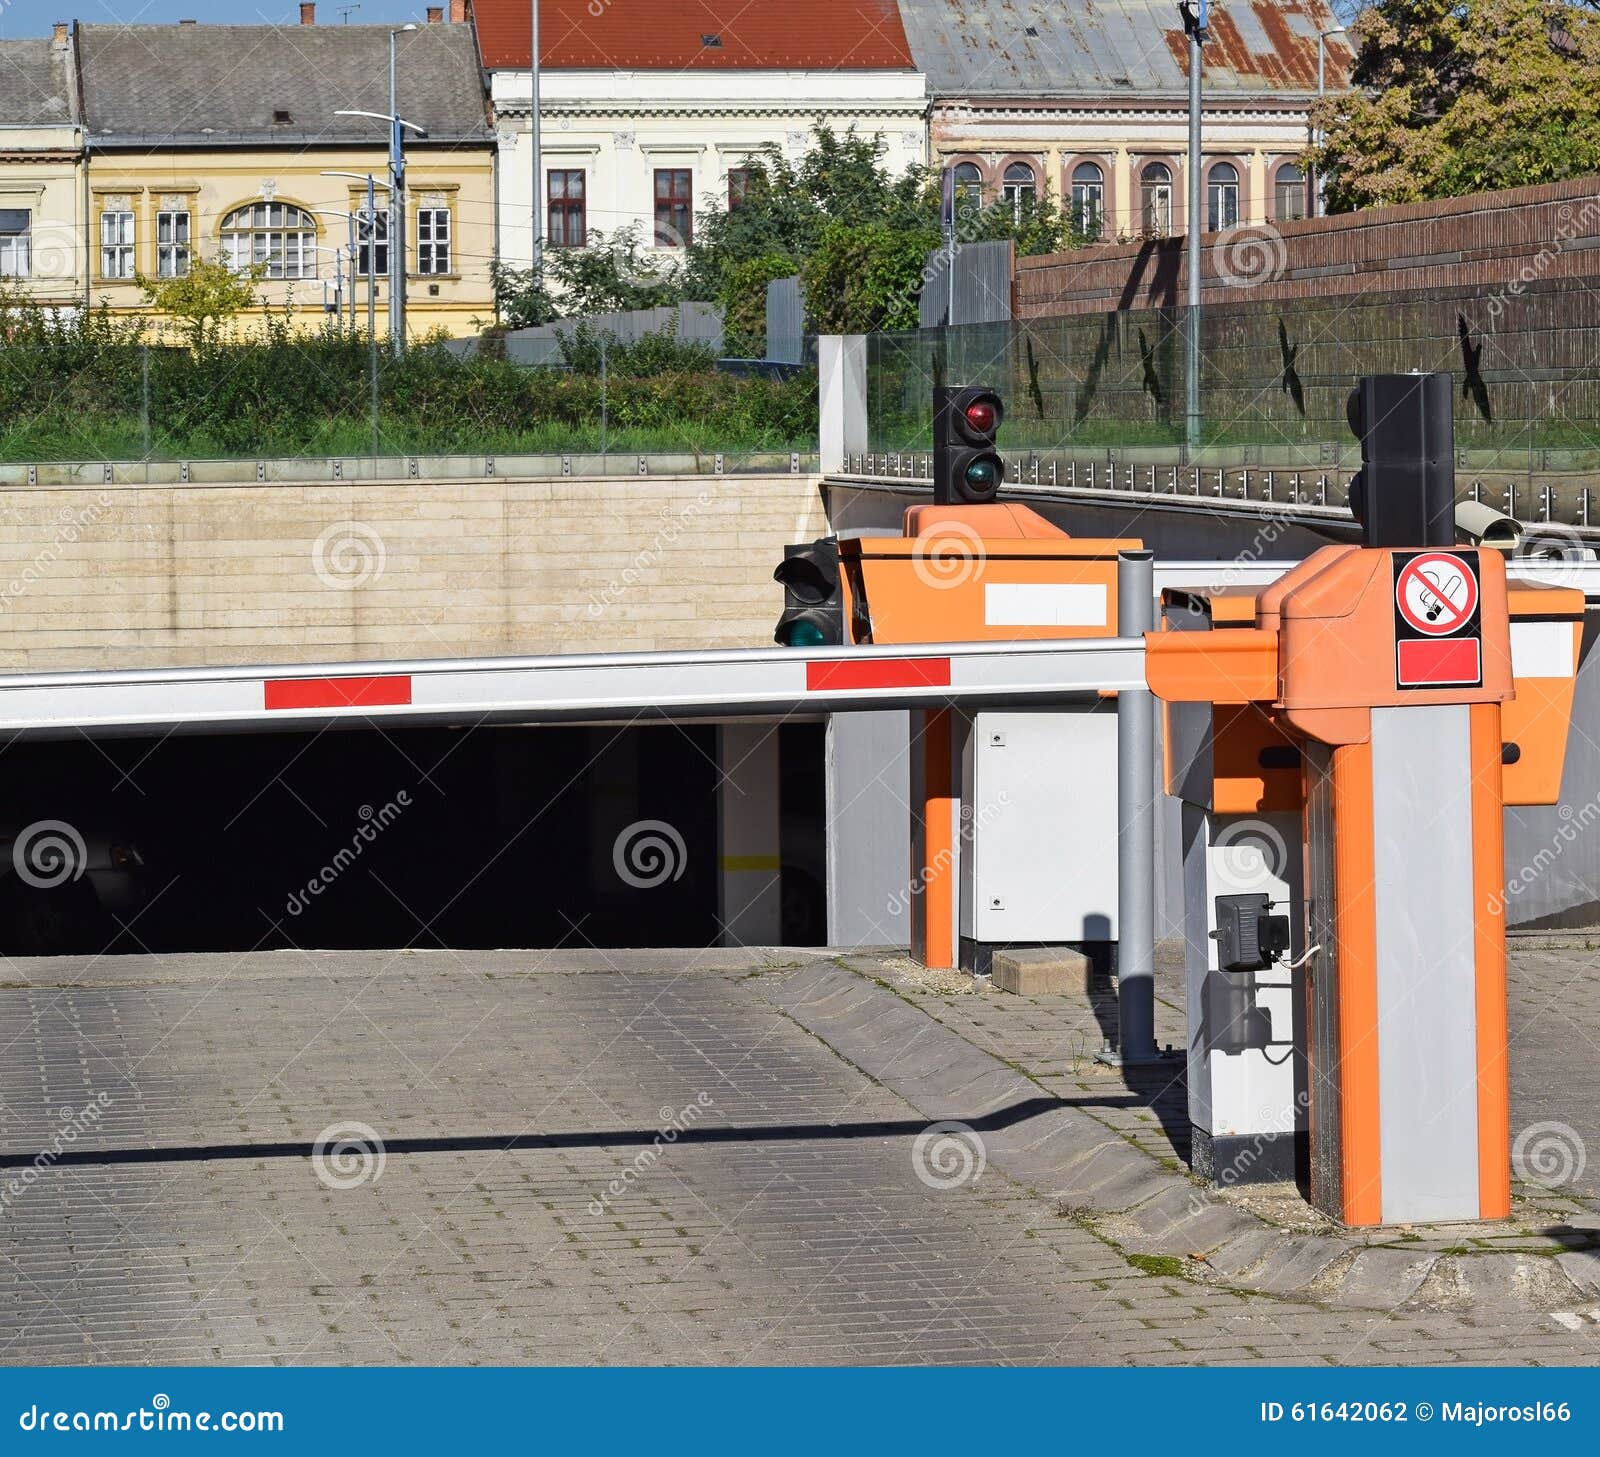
x=1039, y=825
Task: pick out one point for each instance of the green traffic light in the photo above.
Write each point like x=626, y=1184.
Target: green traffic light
x=982, y=474
x=804, y=635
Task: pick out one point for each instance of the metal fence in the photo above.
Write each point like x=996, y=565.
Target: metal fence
x=1274, y=376
x=79, y=392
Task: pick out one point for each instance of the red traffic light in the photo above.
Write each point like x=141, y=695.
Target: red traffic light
x=982, y=415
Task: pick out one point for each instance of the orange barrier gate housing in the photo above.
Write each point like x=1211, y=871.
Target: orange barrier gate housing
x=993, y=573
x=1422, y=697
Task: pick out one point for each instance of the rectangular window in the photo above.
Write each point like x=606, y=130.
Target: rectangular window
x=566, y=210
x=15, y=228
x=372, y=242
x=433, y=240
x=116, y=245
x=741, y=181
x=172, y=244
x=674, y=207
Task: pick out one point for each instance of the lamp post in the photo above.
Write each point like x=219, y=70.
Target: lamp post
x=372, y=288
x=350, y=251
x=1194, y=24
x=536, y=217
x=1318, y=136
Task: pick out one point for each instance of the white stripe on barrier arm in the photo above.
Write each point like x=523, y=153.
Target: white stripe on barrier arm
x=596, y=689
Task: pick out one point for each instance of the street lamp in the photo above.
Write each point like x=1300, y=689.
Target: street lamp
x=371, y=223
x=350, y=251
x=397, y=198
x=533, y=127
x=1318, y=135
x=1194, y=25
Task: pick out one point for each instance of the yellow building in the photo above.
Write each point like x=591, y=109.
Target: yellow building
x=246, y=144
x=41, y=191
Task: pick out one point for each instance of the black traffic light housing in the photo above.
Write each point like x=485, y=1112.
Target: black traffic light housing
x=1405, y=491
x=813, y=605
x=967, y=469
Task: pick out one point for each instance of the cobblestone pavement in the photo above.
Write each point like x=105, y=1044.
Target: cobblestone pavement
x=786, y=1222
x=1553, y=997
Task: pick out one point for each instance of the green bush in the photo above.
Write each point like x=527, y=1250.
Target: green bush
x=76, y=389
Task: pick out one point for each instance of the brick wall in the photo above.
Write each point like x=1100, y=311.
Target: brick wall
x=1485, y=241
x=152, y=576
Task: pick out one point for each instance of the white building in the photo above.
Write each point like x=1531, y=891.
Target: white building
x=650, y=110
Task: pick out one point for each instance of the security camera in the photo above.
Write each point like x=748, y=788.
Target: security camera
x=1484, y=526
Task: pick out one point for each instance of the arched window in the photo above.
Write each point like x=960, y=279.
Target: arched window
x=1018, y=188
x=1088, y=199
x=1289, y=194
x=282, y=237
x=1222, y=197
x=968, y=183
x=1155, y=200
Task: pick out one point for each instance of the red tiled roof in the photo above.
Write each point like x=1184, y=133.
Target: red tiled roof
x=673, y=35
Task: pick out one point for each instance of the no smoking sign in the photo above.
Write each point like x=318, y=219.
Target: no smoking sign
x=1437, y=627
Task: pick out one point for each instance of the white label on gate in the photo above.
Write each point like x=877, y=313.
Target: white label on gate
x=1044, y=604
x=1541, y=649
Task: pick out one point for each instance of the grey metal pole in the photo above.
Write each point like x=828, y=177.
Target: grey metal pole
x=397, y=210
x=1191, y=426
x=533, y=128
x=372, y=307
x=1136, y=818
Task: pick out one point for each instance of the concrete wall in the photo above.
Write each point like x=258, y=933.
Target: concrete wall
x=129, y=576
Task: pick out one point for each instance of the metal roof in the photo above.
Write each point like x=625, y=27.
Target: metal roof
x=695, y=35
x=1117, y=47
x=257, y=85
x=36, y=84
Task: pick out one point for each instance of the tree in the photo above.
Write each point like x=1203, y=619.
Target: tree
x=1459, y=96
x=205, y=298
x=863, y=277
x=610, y=275
x=744, y=301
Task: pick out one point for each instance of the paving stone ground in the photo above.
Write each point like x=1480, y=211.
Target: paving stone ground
x=789, y=1223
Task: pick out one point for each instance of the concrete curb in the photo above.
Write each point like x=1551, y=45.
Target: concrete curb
x=1065, y=1154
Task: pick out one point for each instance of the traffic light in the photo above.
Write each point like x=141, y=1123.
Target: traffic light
x=967, y=468
x=813, y=606
x=1405, y=491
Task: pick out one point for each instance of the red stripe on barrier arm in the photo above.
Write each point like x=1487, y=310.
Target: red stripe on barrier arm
x=846, y=676
x=385, y=692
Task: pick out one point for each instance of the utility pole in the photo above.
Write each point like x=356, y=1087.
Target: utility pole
x=533, y=127
x=1317, y=133
x=1194, y=24
x=397, y=208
